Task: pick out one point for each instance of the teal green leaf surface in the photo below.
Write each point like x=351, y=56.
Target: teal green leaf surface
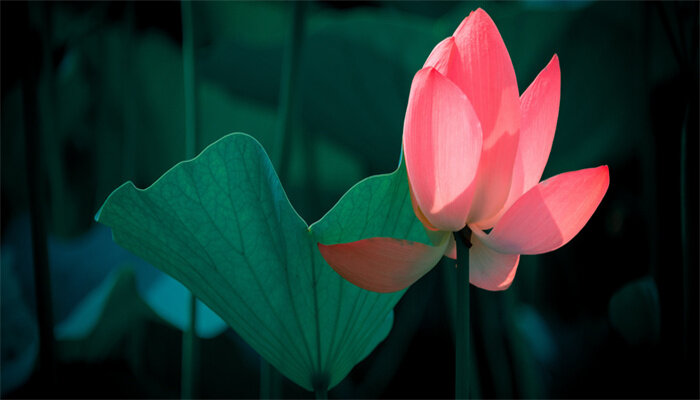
x=379, y=206
x=222, y=225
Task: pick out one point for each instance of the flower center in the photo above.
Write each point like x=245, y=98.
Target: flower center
x=465, y=236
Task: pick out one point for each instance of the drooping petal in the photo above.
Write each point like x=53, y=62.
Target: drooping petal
x=489, y=269
x=539, y=108
x=490, y=84
x=442, y=145
x=451, y=250
x=382, y=264
x=550, y=214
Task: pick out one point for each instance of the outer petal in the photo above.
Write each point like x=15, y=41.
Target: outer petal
x=382, y=264
x=451, y=250
x=489, y=269
x=539, y=108
x=489, y=83
x=442, y=144
x=419, y=214
x=550, y=214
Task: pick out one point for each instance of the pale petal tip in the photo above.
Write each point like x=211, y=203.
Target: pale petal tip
x=554, y=63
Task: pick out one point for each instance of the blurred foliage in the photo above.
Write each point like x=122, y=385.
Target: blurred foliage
x=112, y=109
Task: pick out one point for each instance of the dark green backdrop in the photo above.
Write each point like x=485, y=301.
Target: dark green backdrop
x=612, y=314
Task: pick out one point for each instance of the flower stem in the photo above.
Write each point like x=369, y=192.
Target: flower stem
x=462, y=323
x=189, y=337
x=321, y=392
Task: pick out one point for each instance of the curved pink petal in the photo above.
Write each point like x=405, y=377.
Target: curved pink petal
x=539, y=108
x=489, y=83
x=442, y=144
x=451, y=250
x=550, y=214
x=489, y=269
x=382, y=264
x=419, y=214
x=445, y=58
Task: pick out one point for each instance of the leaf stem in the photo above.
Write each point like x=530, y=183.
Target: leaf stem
x=190, y=353
x=270, y=381
x=189, y=337
x=321, y=392
x=462, y=323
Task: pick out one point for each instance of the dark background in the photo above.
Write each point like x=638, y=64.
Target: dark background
x=612, y=314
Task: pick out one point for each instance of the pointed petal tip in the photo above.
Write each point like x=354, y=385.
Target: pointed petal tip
x=554, y=64
x=550, y=214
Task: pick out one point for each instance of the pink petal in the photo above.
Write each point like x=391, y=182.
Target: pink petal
x=442, y=143
x=550, y=214
x=539, y=108
x=382, y=264
x=419, y=214
x=445, y=58
x=489, y=269
x=451, y=250
x=489, y=83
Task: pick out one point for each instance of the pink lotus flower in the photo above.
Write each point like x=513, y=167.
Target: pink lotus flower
x=475, y=151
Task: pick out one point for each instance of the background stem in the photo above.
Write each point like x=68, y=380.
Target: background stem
x=189, y=338
x=288, y=95
x=36, y=180
x=462, y=335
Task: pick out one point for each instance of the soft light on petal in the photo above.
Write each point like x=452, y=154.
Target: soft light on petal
x=382, y=264
x=419, y=214
x=550, y=214
x=539, y=108
x=442, y=144
x=489, y=269
x=490, y=84
x=445, y=58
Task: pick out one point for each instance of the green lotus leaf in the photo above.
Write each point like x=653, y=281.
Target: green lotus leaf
x=222, y=225
x=379, y=206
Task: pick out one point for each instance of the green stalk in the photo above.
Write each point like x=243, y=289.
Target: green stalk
x=189, y=338
x=288, y=93
x=462, y=322
x=36, y=176
x=190, y=347
x=128, y=93
x=270, y=381
x=321, y=393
